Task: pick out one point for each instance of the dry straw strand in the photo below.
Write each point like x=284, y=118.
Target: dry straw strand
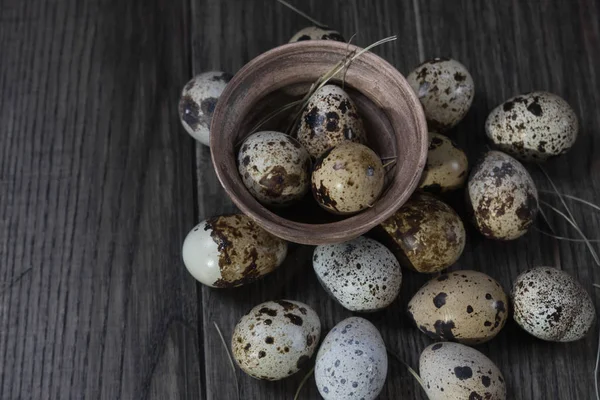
x=237, y=388
x=303, y=14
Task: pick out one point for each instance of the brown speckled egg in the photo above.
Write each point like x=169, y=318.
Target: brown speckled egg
x=274, y=167
x=231, y=250
x=446, y=91
x=501, y=196
x=452, y=371
x=316, y=33
x=198, y=101
x=275, y=339
x=551, y=305
x=447, y=166
x=463, y=306
x=426, y=234
x=533, y=126
x=348, y=179
x=329, y=119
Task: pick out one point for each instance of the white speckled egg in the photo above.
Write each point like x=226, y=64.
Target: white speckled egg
x=274, y=167
x=329, y=119
x=198, y=101
x=502, y=197
x=551, y=305
x=361, y=274
x=352, y=361
x=447, y=166
x=426, y=234
x=533, y=126
x=316, y=33
x=231, y=250
x=446, y=91
x=452, y=371
x=275, y=339
x=348, y=179
x=463, y=306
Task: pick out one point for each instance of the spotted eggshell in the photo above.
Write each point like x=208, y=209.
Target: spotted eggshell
x=348, y=179
x=502, y=197
x=446, y=167
x=452, y=371
x=352, y=361
x=198, y=101
x=426, y=234
x=275, y=339
x=329, y=118
x=231, y=250
x=316, y=33
x=551, y=305
x=274, y=167
x=533, y=126
x=446, y=91
x=463, y=306
x=361, y=274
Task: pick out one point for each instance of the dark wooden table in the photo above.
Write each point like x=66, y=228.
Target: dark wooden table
x=99, y=184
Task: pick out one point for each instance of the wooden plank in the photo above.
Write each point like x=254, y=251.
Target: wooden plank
x=96, y=194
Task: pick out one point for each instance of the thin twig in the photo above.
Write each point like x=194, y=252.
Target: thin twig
x=596, y=285
x=388, y=164
x=303, y=14
x=237, y=388
x=412, y=371
x=303, y=381
x=543, y=214
x=566, y=239
x=562, y=200
x=572, y=198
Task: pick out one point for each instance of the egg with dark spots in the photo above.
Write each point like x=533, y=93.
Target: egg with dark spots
x=446, y=90
x=533, y=126
x=361, y=274
x=551, y=305
x=231, y=250
x=352, y=362
x=348, y=179
x=329, y=119
x=447, y=166
x=274, y=167
x=452, y=371
x=463, y=306
x=316, y=33
x=426, y=234
x=198, y=101
x=276, y=339
x=501, y=197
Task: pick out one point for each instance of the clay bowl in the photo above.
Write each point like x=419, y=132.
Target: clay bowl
x=391, y=112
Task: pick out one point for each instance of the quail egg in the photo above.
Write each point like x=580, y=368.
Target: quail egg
x=445, y=89
x=533, y=126
x=329, y=118
x=276, y=339
x=352, y=361
x=463, y=306
x=231, y=250
x=348, y=179
x=446, y=167
x=316, y=33
x=198, y=101
x=361, y=274
x=551, y=305
x=502, y=197
x=426, y=234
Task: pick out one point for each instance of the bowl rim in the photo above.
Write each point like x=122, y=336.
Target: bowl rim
x=325, y=233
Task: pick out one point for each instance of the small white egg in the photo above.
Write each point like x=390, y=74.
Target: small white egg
x=316, y=33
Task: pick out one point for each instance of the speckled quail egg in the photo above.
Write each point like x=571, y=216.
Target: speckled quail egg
x=274, y=167
x=551, y=305
x=348, y=179
x=275, y=339
x=361, y=274
x=447, y=166
x=329, y=118
x=462, y=306
x=426, y=234
x=445, y=89
x=533, y=126
x=452, y=371
x=352, y=361
x=316, y=33
x=231, y=250
x=501, y=197
x=198, y=101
